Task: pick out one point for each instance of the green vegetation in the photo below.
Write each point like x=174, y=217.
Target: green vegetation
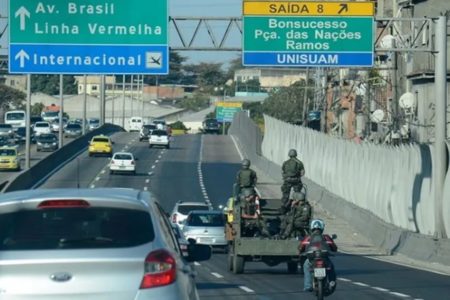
x=11, y=98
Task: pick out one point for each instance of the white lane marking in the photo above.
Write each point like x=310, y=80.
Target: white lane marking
x=361, y=284
x=97, y=178
x=197, y=263
x=92, y=186
x=200, y=173
x=217, y=275
x=379, y=289
x=102, y=172
x=159, y=156
x=145, y=188
x=150, y=173
x=153, y=166
x=399, y=295
x=147, y=180
x=246, y=289
x=237, y=148
x=156, y=161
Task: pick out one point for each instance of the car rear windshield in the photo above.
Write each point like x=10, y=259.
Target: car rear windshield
x=7, y=126
x=7, y=152
x=159, y=132
x=211, y=122
x=41, y=125
x=101, y=140
x=123, y=156
x=185, y=209
x=213, y=220
x=74, y=228
x=73, y=126
x=47, y=138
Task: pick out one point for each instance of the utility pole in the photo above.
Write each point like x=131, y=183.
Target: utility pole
x=84, y=104
x=123, y=101
x=27, y=124
x=439, y=168
x=61, y=111
x=102, y=100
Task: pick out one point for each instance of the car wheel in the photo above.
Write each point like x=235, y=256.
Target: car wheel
x=168, y=146
x=38, y=150
x=111, y=172
x=90, y=154
x=149, y=145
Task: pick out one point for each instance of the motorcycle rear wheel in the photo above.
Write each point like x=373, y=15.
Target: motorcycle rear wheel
x=320, y=289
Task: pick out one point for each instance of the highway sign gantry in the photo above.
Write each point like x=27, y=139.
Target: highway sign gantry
x=88, y=37
x=301, y=34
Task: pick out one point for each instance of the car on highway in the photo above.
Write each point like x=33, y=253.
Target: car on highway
x=211, y=126
x=41, y=128
x=55, y=125
x=73, y=130
x=21, y=133
x=181, y=210
x=184, y=244
x=206, y=227
x=135, y=124
x=7, y=130
x=100, y=144
x=122, y=162
x=5, y=141
x=93, y=123
x=34, y=119
x=159, y=137
x=145, y=132
x=47, y=142
x=105, y=243
x=9, y=158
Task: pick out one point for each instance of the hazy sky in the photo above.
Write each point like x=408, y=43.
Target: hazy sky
x=185, y=8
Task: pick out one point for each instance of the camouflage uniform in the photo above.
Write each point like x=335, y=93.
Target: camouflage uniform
x=250, y=227
x=296, y=221
x=291, y=171
x=246, y=178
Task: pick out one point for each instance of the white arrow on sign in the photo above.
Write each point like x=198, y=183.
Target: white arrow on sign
x=22, y=55
x=22, y=12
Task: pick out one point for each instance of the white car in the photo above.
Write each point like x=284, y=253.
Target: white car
x=122, y=162
x=135, y=124
x=159, y=138
x=41, y=128
x=182, y=209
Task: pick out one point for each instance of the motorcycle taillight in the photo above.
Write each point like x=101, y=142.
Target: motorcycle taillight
x=320, y=263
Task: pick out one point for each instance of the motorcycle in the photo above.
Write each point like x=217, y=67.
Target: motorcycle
x=321, y=270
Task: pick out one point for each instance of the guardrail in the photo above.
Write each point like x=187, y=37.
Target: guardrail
x=37, y=174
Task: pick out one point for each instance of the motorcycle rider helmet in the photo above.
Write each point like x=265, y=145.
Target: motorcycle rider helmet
x=317, y=224
x=246, y=163
x=292, y=153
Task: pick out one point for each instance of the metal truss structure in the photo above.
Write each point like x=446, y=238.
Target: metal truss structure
x=410, y=34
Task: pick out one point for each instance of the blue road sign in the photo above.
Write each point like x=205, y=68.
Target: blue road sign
x=308, y=59
x=88, y=59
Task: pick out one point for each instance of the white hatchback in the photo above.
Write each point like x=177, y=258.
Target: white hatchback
x=159, y=138
x=122, y=162
x=42, y=128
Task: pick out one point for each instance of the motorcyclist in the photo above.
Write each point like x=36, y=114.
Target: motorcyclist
x=317, y=240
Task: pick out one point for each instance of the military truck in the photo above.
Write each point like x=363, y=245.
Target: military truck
x=270, y=251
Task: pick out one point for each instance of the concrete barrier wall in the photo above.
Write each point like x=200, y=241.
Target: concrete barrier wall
x=446, y=196
x=387, y=236
x=31, y=177
x=394, y=183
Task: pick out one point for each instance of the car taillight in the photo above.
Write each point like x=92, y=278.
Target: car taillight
x=112, y=162
x=132, y=162
x=174, y=218
x=63, y=203
x=160, y=269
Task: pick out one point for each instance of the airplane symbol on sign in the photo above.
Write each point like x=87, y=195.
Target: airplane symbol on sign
x=153, y=60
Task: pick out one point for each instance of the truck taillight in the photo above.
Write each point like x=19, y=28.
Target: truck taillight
x=160, y=269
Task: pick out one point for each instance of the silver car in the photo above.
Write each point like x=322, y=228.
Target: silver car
x=206, y=227
x=105, y=243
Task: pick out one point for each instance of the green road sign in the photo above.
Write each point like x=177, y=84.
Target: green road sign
x=108, y=22
x=315, y=34
x=225, y=110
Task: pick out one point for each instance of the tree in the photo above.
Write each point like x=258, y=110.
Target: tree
x=208, y=76
x=198, y=102
x=36, y=109
x=11, y=98
x=49, y=84
x=286, y=104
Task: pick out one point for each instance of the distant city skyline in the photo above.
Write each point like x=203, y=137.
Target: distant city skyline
x=193, y=8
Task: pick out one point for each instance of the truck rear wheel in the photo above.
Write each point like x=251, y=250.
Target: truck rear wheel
x=292, y=267
x=238, y=264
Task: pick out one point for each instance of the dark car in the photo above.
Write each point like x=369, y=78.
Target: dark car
x=146, y=130
x=21, y=133
x=73, y=130
x=46, y=142
x=34, y=119
x=211, y=126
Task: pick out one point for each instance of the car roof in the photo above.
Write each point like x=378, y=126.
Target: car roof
x=9, y=147
x=121, y=197
x=192, y=203
x=128, y=153
x=100, y=136
x=204, y=212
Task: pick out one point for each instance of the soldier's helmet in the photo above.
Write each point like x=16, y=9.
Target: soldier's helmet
x=248, y=192
x=299, y=196
x=246, y=163
x=317, y=225
x=292, y=153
